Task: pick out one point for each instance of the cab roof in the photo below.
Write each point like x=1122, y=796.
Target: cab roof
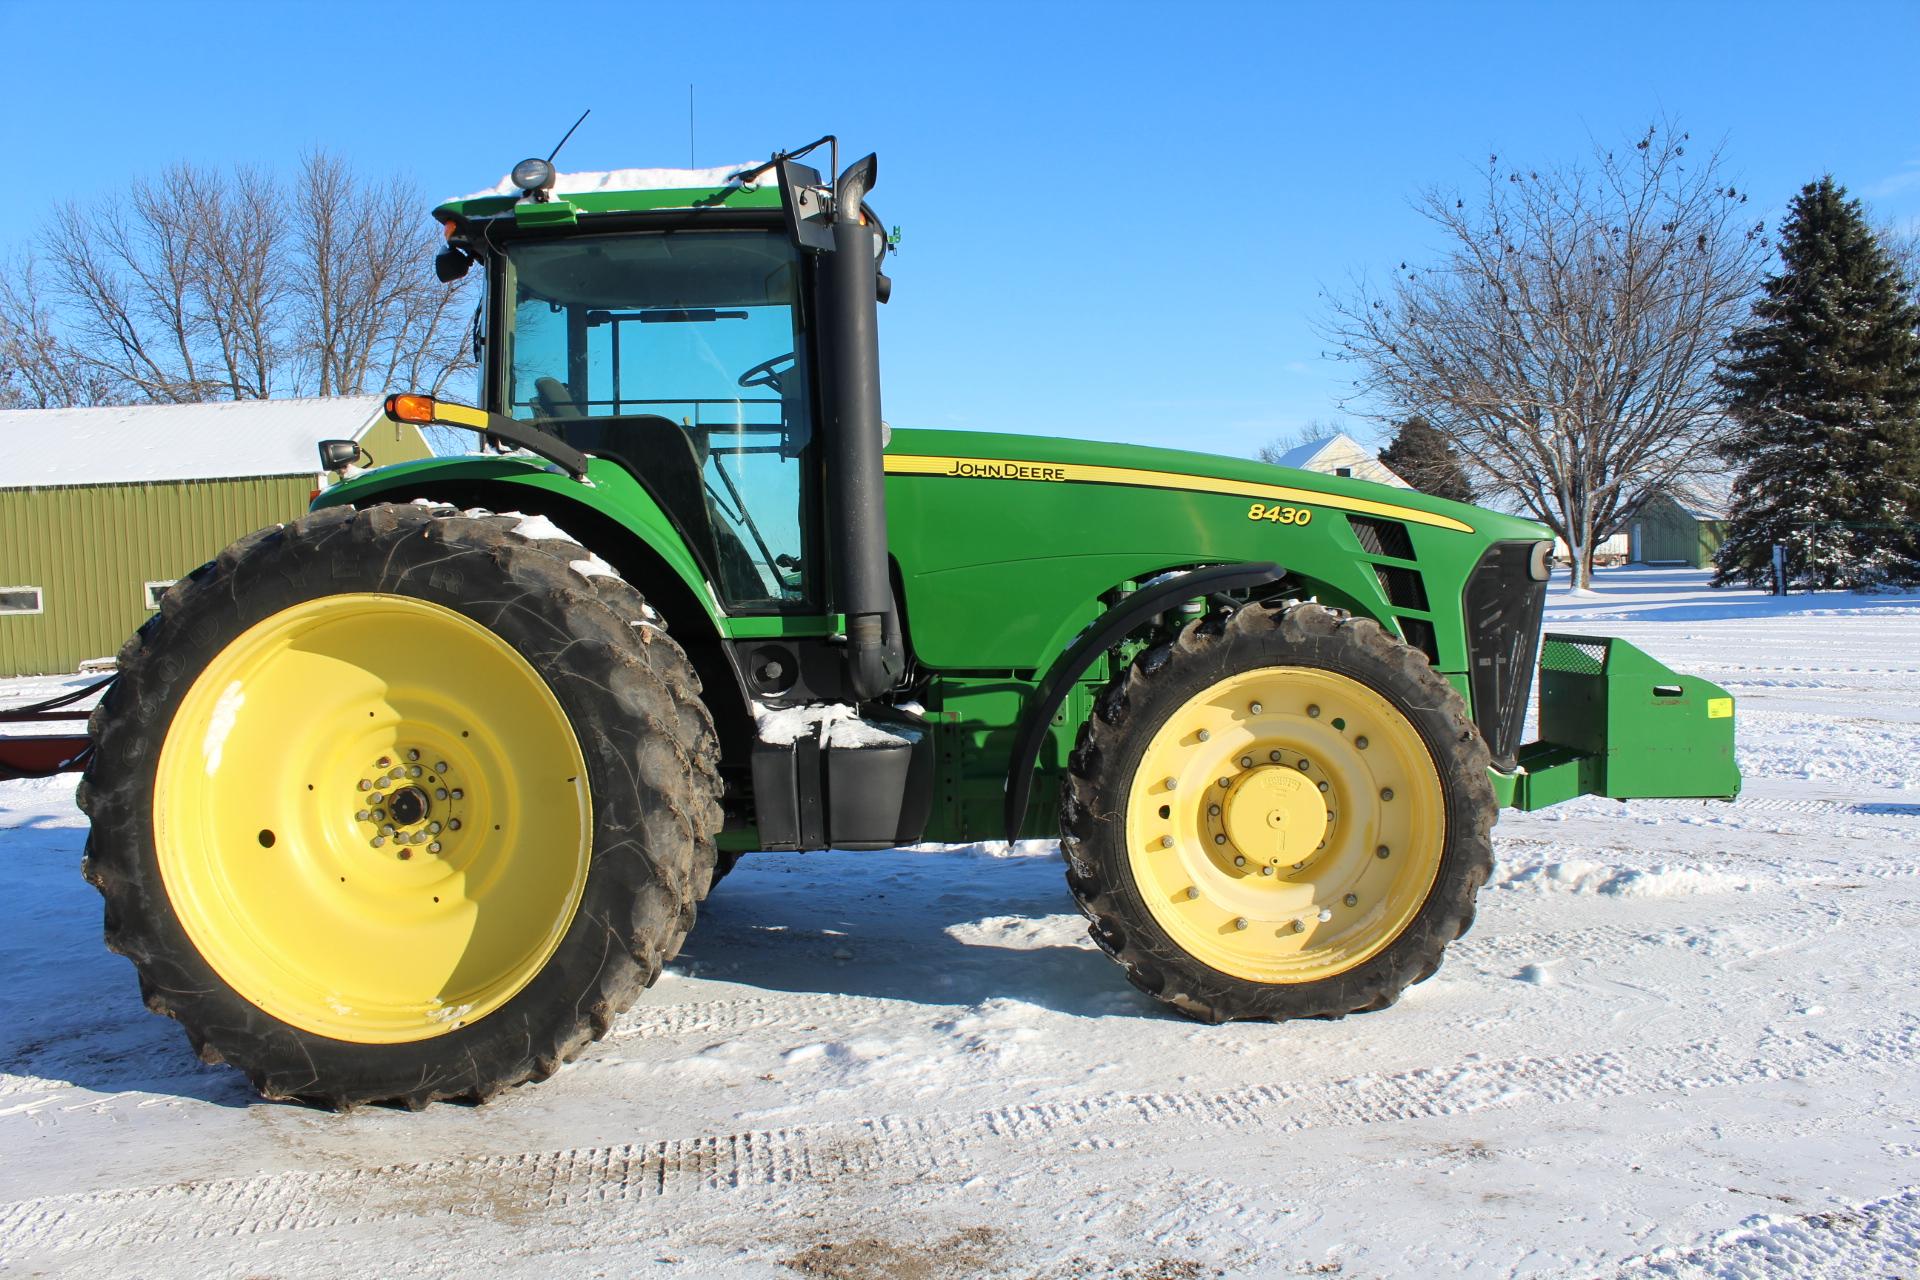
x=621, y=191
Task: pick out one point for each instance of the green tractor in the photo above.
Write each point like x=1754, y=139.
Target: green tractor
x=408, y=799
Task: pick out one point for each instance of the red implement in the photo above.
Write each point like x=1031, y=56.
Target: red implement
x=45, y=754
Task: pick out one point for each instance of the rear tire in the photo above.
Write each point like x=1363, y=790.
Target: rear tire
x=547, y=686
x=1284, y=812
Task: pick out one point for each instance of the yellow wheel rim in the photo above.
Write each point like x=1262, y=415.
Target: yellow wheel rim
x=372, y=818
x=1285, y=825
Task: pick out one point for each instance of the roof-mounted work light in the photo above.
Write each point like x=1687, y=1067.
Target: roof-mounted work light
x=534, y=177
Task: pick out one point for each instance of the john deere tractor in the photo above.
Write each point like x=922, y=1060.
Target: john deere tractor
x=408, y=799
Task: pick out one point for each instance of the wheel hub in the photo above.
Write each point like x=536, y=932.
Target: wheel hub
x=1275, y=815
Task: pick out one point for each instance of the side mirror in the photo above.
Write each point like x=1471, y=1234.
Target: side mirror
x=450, y=264
x=809, y=220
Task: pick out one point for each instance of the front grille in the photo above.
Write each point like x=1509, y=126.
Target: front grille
x=1382, y=537
x=1502, y=604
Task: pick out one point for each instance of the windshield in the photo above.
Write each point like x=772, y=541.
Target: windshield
x=674, y=354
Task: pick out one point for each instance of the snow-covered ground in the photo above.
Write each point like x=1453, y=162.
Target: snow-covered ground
x=1681, y=1041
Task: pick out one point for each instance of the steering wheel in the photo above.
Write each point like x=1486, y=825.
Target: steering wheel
x=764, y=374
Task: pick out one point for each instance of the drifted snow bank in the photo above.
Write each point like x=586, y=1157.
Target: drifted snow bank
x=1581, y=875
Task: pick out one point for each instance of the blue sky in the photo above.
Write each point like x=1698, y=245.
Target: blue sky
x=1117, y=219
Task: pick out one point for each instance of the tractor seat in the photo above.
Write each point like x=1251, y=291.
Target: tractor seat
x=669, y=462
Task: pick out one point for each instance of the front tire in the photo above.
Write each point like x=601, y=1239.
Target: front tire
x=398, y=804
x=1284, y=812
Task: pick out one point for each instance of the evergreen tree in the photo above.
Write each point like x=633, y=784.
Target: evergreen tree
x=1424, y=458
x=1823, y=387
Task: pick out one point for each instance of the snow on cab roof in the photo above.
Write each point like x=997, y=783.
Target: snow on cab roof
x=137, y=444
x=575, y=184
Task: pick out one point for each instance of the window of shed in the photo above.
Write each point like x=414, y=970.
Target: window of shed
x=155, y=590
x=20, y=600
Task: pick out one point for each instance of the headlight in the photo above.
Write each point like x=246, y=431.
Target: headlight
x=1540, y=562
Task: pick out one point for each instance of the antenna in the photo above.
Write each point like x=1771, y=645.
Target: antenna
x=568, y=134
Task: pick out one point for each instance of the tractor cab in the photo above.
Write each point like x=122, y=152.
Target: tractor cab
x=684, y=356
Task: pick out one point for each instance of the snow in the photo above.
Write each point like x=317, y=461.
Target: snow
x=138, y=444
x=784, y=725
x=585, y=182
x=1682, y=1040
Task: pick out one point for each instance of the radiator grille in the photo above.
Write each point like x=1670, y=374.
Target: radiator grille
x=1403, y=588
x=1382, y=537
x=1503, y=606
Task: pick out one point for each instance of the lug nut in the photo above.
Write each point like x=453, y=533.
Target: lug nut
x=440, y=766
x=362, y=816
x=365, y=785
x=1213, y=811
x=413, y=753
x=1166, y=842
x=1351, y=900
x=439, y=793
x=1313, y=712
x=1299, y=926
x=1219, y=839
x=1326, y=914
x=387, y=829
x=458, y=793
x=1381, y=852
x=397, y=773
x=433, y=847
x=379, y=815
x=414, y=772
x=1360, y=743
x=1254, y=708
x=1323, y=786
x=380, y=783
x=419, y=837
x=1304, y=765
x=1246, y=762
x=453, y=824
x=377, y=841
x=1266, y=871
x=1225, y=783
x=1274, y=756
x=434, y=827
x=382, y=763
x=1192, y=892
x=1173, y=783
x=1239, y=922
x=405, y=854
x=1386, y=793
x=1204, y=735
x=1239, y=860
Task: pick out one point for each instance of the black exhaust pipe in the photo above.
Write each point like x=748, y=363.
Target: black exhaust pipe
x=874, y=657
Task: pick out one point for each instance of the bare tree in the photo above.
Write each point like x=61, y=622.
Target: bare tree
x=369, y=310
x=1565, y=338
x=38, y=370
x=202, y=286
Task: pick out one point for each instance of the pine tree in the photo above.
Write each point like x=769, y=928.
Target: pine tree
x=1424, y=458
x=1823, y=387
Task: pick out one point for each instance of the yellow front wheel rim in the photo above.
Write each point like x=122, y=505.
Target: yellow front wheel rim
x=1285, y=825
x=371, y=816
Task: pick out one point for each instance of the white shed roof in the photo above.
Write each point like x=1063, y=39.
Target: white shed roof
x=138, y=444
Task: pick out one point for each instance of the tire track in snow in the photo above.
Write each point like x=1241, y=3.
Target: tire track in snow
x=896, y=1147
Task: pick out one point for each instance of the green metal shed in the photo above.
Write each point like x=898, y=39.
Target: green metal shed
x=101, y=509
x=1683, y=526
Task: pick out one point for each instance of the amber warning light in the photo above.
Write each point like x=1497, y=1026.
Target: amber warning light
x=410, y=408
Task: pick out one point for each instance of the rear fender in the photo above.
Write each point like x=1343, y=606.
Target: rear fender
x=616, y=519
